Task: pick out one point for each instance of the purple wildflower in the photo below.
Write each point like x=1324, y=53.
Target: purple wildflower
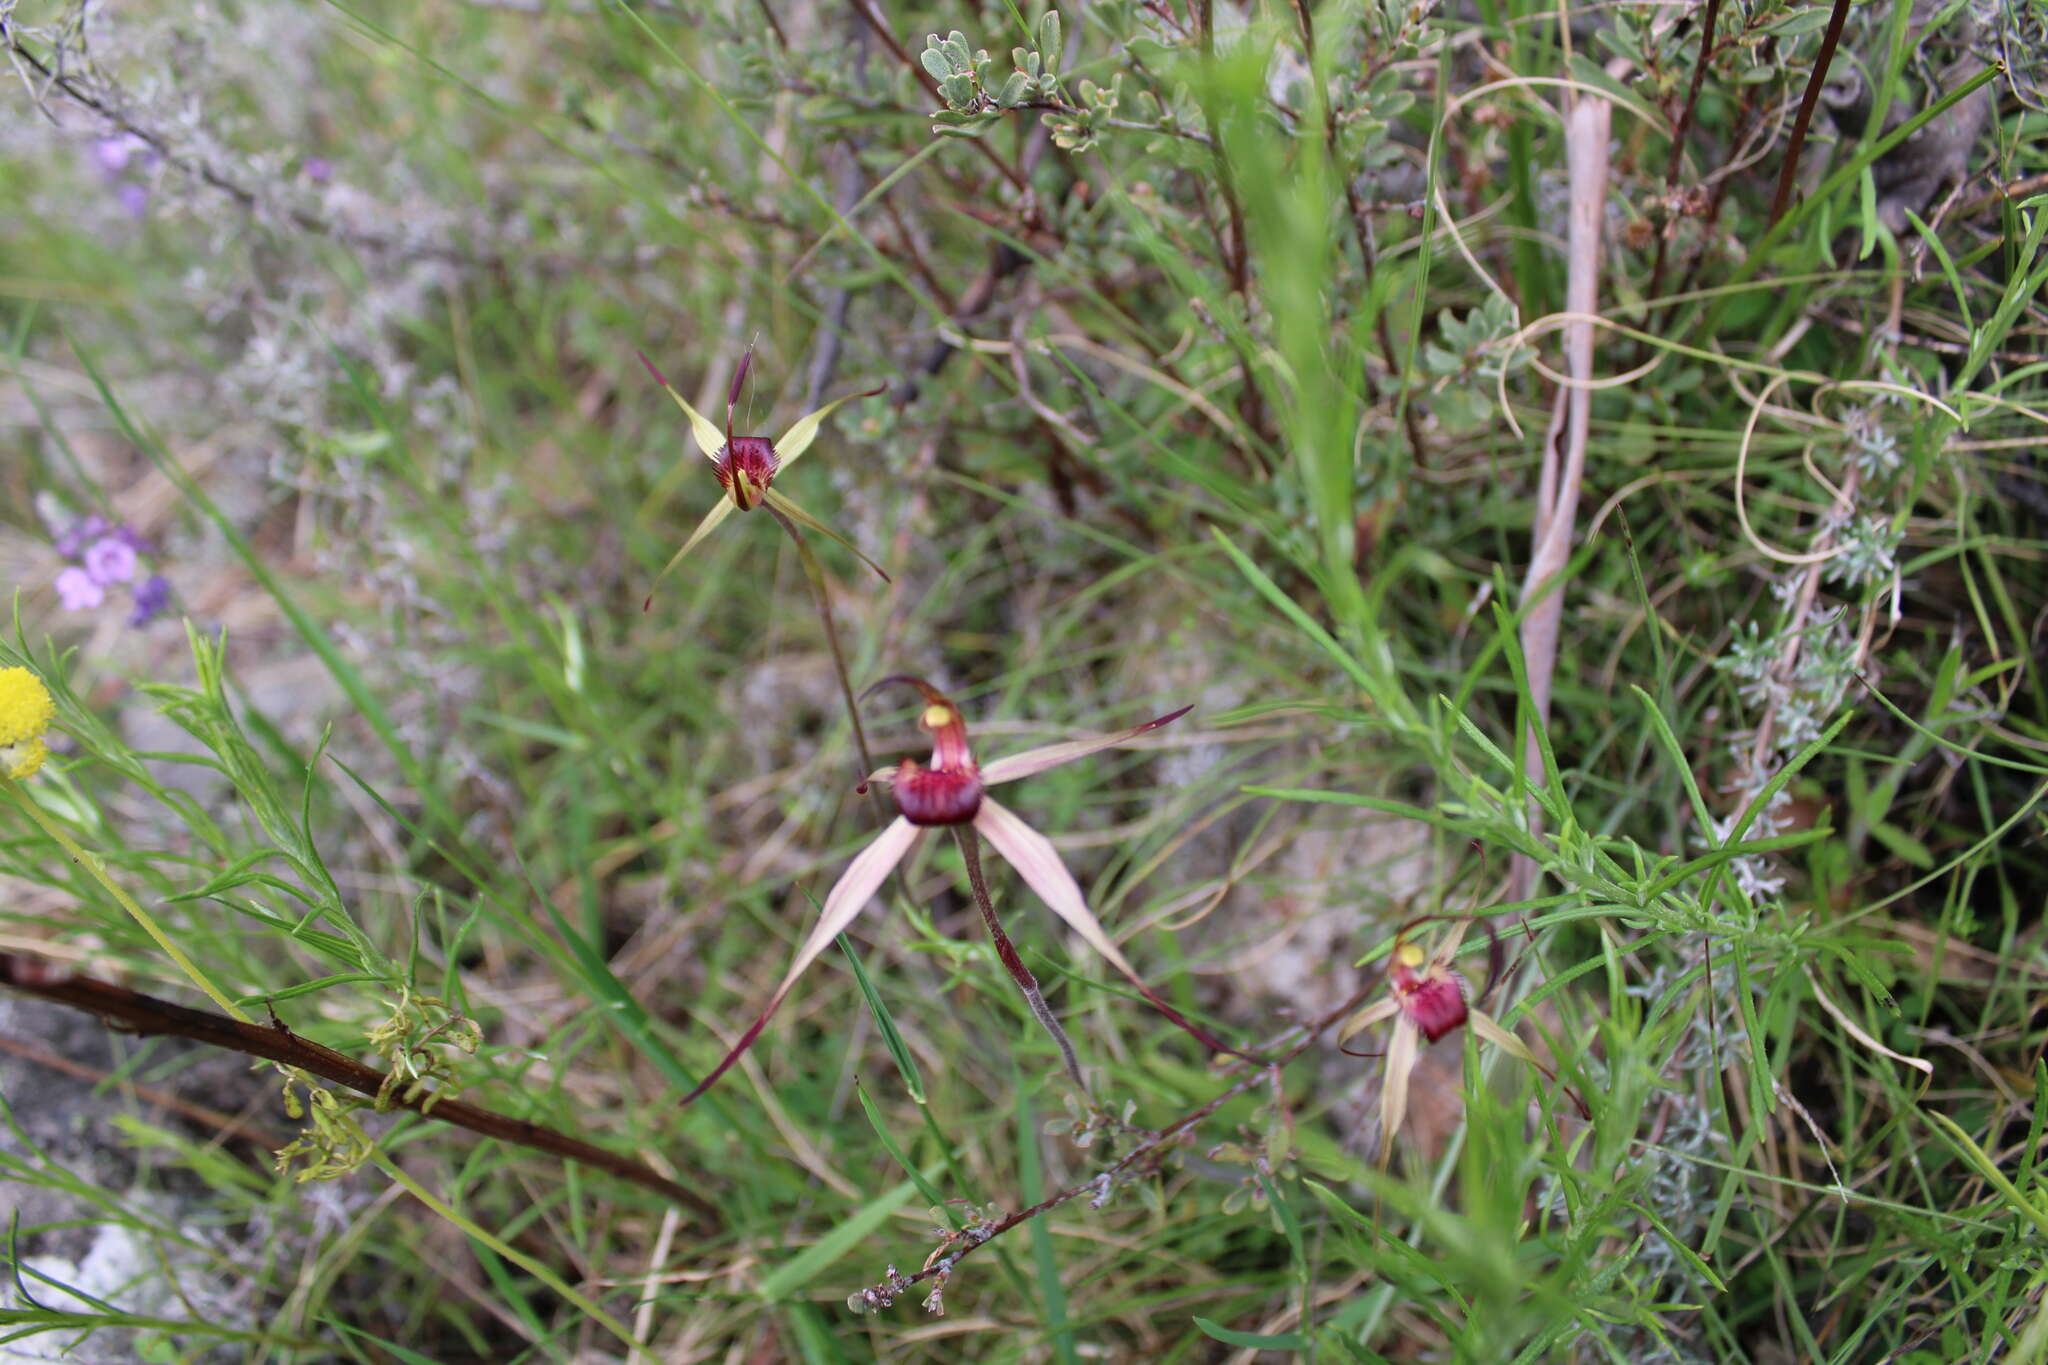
x=74, y=540
x=77, y=590
x=133, y=197
x=110, y=560
x=317, y=169
x=114, y=153
x=109, y=554
x=152, y=595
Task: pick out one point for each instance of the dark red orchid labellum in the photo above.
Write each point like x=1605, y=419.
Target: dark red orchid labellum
x=950, y=791
x=746, y=466
x=1436, y=1004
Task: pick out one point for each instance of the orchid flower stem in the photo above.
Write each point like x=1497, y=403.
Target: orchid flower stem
x=815, y=576
x=1007, y=951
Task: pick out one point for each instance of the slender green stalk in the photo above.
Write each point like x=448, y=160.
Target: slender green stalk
x=127, y=902
x=814, y=575
x=498, y=1244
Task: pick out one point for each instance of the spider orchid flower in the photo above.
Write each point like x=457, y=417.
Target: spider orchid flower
x=1428, y=999
x=952, y=791
x=746, y=466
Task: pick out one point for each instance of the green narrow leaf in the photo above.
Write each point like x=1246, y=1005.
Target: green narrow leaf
x=1032, y=1184
x=814, y=1259
x=2027, y=1208
x=899, y=1051
x=925, y=1187
x=1901, y=845
x=1268, y=1341
x=1676, y=751
x=1291, y=609
x=404, y=1355
x=1763, y=1099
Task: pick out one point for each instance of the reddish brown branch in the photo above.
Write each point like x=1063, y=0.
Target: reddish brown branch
x=1786, y=174
x=1150, y=1148
x=1692, y=95
x=134, y=1012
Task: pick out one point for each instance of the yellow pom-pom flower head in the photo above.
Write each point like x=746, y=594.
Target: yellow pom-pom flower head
x=25, y=713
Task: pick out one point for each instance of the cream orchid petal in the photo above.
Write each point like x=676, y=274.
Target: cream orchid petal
x=720, y=510
x=852, y=892
x=1031, y=761
x=798, y=438
x=1401, y=1055
x=1447, y=951
x=803, y=518
x=1503, y=1038
x=1038, y=863
x=1378, y=1012
x=848, y=897
x=710, y=439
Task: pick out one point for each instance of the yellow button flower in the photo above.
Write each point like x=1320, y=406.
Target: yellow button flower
x=25, y=712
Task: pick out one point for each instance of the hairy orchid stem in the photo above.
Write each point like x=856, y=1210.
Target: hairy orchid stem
x=1007, y=951
x=815, y=576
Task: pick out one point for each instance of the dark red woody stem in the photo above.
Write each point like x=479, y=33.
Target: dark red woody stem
x=147, y=1016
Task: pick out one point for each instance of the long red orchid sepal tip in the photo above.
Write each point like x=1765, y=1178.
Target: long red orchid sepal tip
x=739, y=381
x=1167, y=719
x=925, y=689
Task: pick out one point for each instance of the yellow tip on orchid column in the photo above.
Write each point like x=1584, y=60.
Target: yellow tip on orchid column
x=25, y=712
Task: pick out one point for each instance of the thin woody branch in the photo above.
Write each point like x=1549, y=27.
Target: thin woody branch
x=250, y=200
x=146, y=1015
x=885, y=1294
